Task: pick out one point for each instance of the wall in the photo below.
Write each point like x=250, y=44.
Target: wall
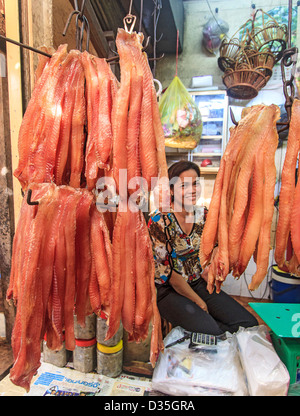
x=195, y=61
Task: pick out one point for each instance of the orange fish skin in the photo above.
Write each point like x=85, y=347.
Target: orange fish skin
x=258, y=132
x=104, y=137
x=268, y=202
x=77, y=133
x=33, y=120
x=233, y=155
x=42, y=155
x=83, y=253
x=64, y=134
x=251, y=232
x=287, y=186
x=209, y=234
x=130, y=275
x=212, y=271
x=295, y=227
x=92, y=107
x=28, y=323
x=120, y=110
x=102, y=256
x=134, y=118
x=117, y=287
x=143, y=308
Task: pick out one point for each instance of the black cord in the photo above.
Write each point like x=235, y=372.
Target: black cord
x=213, y=15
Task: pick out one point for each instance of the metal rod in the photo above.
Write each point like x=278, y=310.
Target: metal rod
x=25, y=46
x=130, y=7
x=141, y=15
x=290, y=23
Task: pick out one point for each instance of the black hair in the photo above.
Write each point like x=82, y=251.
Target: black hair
x=179, y=167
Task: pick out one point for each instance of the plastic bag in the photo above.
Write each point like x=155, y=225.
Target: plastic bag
x=180, y=117
x=213, y=33
x=266, y=374
x=182, y=371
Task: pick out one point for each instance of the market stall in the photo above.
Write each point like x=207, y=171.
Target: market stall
x=95, y=224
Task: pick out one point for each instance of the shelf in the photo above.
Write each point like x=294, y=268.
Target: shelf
x=208, y=120
x=209, y=170
x=217, y=137
x=207, y=154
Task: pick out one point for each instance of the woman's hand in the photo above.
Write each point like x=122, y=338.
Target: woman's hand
x=183, y=288
x=204, y=274
x=202, y=304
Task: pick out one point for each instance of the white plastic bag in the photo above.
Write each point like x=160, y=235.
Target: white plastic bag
x=266, y=374
x=182, y=371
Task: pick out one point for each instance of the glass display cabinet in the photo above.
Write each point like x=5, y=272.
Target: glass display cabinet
x=213, y=106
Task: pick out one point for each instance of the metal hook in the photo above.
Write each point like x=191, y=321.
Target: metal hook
x=29, y=202
x=157, y=59
x=113, y=51
x=69, y=21
x=146, y=44
x=160, y=38
x=129, y=22
x=232, y=117
x=79, y=30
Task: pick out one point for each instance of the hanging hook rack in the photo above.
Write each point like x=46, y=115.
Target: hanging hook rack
x=80, y=17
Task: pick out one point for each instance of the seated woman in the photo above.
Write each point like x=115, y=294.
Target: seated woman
x=182, y=297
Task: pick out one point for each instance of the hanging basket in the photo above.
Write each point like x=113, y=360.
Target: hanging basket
x=229, y=51
x=263, y=61
x=230, y=48
x=244, y=83
x=270, y=36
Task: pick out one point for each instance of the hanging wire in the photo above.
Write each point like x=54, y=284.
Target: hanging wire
x=141, y=15
x=156, y=14
x=213, y=15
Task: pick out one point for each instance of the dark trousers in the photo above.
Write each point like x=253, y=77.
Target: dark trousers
x=225, y=314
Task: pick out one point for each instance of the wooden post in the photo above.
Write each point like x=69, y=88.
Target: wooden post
x=14, y=91
x=10, y=120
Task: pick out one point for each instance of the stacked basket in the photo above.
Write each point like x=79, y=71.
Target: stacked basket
x=248, y=63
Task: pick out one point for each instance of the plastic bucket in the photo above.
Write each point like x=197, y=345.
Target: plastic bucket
x=285, y=288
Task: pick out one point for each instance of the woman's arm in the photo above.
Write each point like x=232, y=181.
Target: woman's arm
x=184, y=289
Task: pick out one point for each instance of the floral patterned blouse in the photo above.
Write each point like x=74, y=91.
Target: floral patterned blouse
x=182, y=248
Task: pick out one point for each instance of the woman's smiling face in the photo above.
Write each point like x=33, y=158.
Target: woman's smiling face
x=187, y=189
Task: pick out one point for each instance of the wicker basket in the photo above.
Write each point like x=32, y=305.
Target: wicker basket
x=229, y=51
x=244, y=83
x=270, y=36
x=263, y=60
x=230, y=48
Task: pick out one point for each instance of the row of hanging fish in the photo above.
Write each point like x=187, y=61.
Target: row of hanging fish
x=288, y=226
x=54, y=269
x=239, y=219
x=82, y=124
